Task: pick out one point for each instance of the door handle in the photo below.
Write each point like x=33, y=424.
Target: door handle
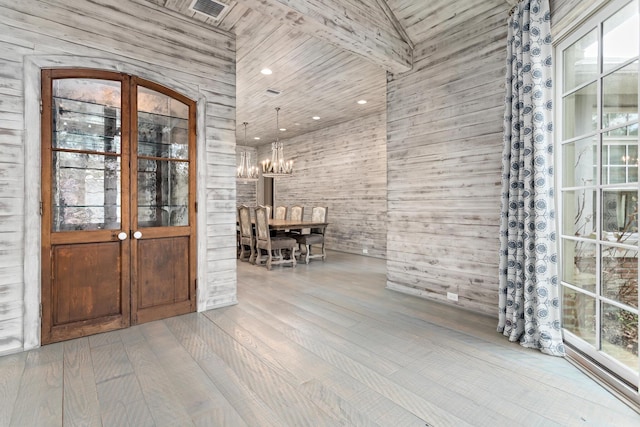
x=122, y=235
x=137, y=235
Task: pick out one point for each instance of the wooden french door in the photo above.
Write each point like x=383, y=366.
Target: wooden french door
x=118, y=202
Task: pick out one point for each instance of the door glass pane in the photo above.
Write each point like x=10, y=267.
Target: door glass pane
x=619, y=215
x=620, y=334
x=580, y=159
x=579, y=314
x=620, y=37
x=580, y=115
x=620, y=96
x=620, y=274
x=579, y=264
x=581, y=61
x=86, y=115
x=86, y=191
x=163, y=125
x=163, y=193
x=579, y=213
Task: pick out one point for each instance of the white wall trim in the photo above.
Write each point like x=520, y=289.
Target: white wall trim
x=32, y=220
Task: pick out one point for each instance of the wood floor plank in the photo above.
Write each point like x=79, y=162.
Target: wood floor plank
x=80, y=396
x=324, y=344
x=39, y=400
x=374, y=380
x=197, y=394
x=265, y=382
x=159, y=392
x=11, y=368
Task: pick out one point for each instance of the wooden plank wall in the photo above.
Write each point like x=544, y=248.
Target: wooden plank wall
x=444, y=163
x=444, y=160
x=146, y=37
x=342, y=167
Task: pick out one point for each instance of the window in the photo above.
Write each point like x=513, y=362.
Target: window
x=597, y=128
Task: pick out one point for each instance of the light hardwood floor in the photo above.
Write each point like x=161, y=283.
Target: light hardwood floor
x=323, y=344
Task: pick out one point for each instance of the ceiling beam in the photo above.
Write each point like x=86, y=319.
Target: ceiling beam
x=335, y=22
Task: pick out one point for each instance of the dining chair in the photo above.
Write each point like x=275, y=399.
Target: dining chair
x=280, y=212
x=247, y=242
x=296, y=213
x=316, y=235
x=268, y=208
x=269, y=244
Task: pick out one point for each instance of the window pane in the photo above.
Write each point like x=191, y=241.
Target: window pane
x=86, y=192
x=163, y=193
x=581, y=61
x=86, y=115
x=579, y=314
x=579, y=213
x=620, y=335
x=579, y=264
x=580, y=114
x=579, y=159
x=620, y=274
x=620, y=40
x=619, y=215
x=163, y=125
x=620, y=96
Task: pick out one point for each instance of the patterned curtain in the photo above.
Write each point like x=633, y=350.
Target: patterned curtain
x=529, y=296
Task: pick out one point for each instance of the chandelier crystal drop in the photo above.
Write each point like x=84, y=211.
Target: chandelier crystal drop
x=246, y=172
x=277, y=166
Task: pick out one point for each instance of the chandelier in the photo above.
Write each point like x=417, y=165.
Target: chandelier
x=277, y=166
x=246, y=172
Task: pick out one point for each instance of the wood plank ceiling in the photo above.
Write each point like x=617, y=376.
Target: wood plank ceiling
x=325, y=55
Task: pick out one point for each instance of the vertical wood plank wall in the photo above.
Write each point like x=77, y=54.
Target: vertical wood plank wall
x=444, y=160
x=444, y=164
x=344, y=168
x=142, y=36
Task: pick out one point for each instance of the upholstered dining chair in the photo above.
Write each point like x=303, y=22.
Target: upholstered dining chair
x=280, y=212
x=268, y=208
x=247, y=243
x=296, y=213
x=316, y=236
x=267, y=243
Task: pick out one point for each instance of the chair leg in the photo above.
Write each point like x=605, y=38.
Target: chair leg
x=308, y=252
x=292, y=256
x=252, y=258
x=324, y=253
x=269, y=259
x=257, y=260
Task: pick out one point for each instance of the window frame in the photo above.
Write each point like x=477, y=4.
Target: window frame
x=592, y=357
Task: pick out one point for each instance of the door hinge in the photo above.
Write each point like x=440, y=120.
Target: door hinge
x=41, y=310
x=41, y=106
x=196, y=207
x=41, y=209
x=196, y=284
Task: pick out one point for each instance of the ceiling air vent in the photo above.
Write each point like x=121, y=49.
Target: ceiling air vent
x=211, y=8
x=273, y=92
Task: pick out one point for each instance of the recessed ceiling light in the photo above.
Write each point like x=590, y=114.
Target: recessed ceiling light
x=283, y=129
x=266, y=71
x=257, y=138
x=316, y=118
x=297, y=124
x=362, y=102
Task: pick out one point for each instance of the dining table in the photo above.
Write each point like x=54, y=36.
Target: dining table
x=288, y=224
